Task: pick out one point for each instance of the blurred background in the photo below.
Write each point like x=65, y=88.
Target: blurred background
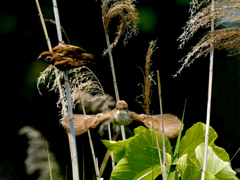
x=23, y=40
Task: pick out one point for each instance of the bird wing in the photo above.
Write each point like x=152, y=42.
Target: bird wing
x=171, y=123
x=137, y=117
x=81, y=123
x=63, y=62
x=84, y=122
x=106, y=116
x=67, y=50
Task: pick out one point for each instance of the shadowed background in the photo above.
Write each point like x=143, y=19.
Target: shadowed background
x=23, y=40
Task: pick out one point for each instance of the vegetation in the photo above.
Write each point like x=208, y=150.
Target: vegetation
x=138, y=155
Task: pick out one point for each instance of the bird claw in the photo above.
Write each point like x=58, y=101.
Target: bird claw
x=62, y=43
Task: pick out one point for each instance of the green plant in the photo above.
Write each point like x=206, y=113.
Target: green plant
x=137, y=157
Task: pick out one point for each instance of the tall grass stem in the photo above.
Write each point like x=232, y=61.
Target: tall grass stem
x=110, y=138
x=89, y=135
x=159, y=153
x=209, y=102
x=113, y=74
x=49, y=47
x=163, y=134
x=74, y=157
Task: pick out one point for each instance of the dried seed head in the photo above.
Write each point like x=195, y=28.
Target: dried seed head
x=147, y=75
x=82, y=81
x=224, y=13
x=128, y=15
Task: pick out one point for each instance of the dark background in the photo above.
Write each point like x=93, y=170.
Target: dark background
x=22, y=40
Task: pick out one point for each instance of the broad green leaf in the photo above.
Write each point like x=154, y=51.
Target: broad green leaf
x=217, y=167
x=220, y=152
x=193, y=137
x=142, y=157
x=139, y=129
x=117, y=147
x=187, y=169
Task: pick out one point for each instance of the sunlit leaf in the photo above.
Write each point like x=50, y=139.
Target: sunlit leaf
x=142, y=157
x=193, y=137
x=219, y=168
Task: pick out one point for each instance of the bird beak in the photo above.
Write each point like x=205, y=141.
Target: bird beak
x=39, y=58
x=120, y=108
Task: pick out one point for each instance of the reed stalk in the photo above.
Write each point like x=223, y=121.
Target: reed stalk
x=209, y=102
x=74, y=157
x=235, y=154
x=49, y=47
x=163, y=134
x=72, y=136
x=113, y=74
x=159, y=154
x=89, y=134
x=110, y=138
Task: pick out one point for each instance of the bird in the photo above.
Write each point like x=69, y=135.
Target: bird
x=122, y=116
x=118, y=116
x=65, y=57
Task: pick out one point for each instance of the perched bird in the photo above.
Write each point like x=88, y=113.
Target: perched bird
x=122, y=116
x=66, y=56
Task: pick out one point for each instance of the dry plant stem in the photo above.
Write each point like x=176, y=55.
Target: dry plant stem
x=49, y=46
x=235, y=154
x=72, y=131
x=163, y=134
x=110, y=138
x=106, y=157
x=208, y=103
x=160, y=157
x=113, y=74
x=93, y=155
x=70, y=114
x=90, y=139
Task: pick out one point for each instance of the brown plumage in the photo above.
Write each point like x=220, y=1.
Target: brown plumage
x=66, y=56
x=122, y=116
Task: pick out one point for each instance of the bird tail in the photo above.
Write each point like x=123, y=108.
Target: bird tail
x=87, y=58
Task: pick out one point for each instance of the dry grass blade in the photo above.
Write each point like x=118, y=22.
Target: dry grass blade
x=225, y=17
x=128, y=15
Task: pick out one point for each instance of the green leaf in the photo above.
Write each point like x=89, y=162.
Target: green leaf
x=217, y=167
x=117, y=147
x=139, y=129
x=193, y=137
x=142, y=157
x=173, y=174
x=187, y=169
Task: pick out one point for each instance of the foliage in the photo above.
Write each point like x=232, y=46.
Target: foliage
x=137, y=157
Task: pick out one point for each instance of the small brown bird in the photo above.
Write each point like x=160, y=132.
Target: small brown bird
x=122, y=116
x=118, y=116
x=66, y=56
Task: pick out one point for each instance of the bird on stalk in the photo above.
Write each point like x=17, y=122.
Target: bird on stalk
x=66, y=57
